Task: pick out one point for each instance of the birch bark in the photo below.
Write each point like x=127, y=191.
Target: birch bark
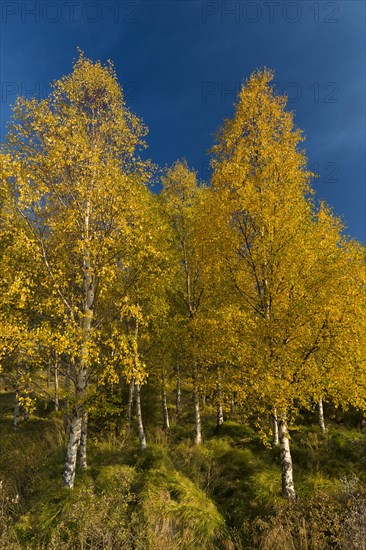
x=321, y=416
x=140, y=426
x=197, y=416
x=56, y=386
x=275, y=440
x=165, y=411
x=131, y=390
x=68, y=476
x=83, y=440
x=178, y=395
x=220, y=411
x=288, y=488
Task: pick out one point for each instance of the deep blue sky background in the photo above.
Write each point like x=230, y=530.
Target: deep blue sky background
x=180, y=61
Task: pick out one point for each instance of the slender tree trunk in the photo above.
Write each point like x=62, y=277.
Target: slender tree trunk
x=321, y=416
x=16, y=401
x=220, y=412
x=197, y=418
x=220, y=415
x=288, y=488
x=83, y=440
x=178, y=395
x=49, y=372
x=165, y=411
x=275, y=440
x=16, y=409
x=129, y=405
x=68, y=476
x=67, y=400
x=120, y=419
x=82, y=374
x=140, y=426
x=56, y=387
x=74, y=435
x=26, y=395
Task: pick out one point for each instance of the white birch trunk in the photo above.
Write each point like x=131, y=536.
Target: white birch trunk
x=178, y=395
x=49, y=373
x=275, y=440
x=197, y=418
x=129, y=405
x=67, y=400
x=82, y=375
x=166, y=423
x=74, y=434
x=140, y=426
x=220, y=415
x=56, y=387
x=321, y=416
x=288, y=488
x=26, y=395
x=220, y=411
x=68, y=476
x=83, y=440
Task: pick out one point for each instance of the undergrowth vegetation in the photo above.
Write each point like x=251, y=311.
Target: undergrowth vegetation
x=240, y=299
x=224, y=494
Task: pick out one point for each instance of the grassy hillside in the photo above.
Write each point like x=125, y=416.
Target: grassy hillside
x=225, y=494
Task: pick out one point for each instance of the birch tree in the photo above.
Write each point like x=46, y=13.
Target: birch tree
x=78, y=185
x=261, y=182
x=136, y=305
x=180, y=191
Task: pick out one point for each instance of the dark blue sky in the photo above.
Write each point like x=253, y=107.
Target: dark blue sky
x=181, y=61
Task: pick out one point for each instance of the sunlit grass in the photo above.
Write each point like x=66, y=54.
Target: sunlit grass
x=224, y=494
